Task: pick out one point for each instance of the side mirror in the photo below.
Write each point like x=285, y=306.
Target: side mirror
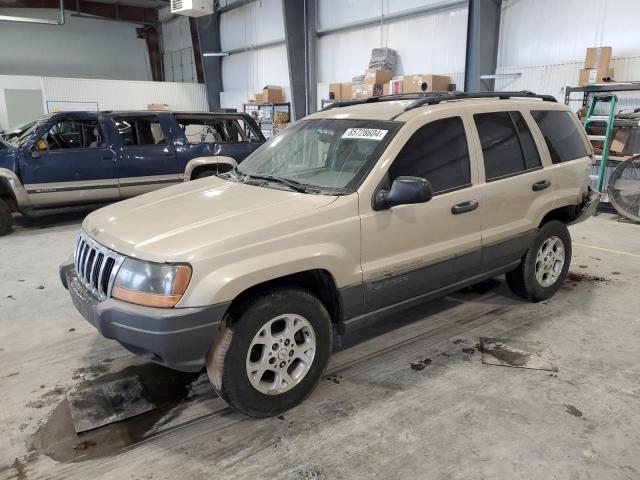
x=35, y=150
x=404, y=191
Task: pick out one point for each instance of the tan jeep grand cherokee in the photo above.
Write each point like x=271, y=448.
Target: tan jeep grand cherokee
x=346, y=216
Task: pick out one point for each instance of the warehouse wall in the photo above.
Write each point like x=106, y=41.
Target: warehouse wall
x=247, y=72
x=432, y=43
x=80, y=48
x=548, y=32
x=177, y=49
x=543, y=43
x=90, y=94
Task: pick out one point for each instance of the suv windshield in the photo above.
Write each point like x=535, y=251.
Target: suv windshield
x=20, y=139
x=330, y=156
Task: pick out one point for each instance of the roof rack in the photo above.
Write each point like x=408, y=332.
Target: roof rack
x=433, y=98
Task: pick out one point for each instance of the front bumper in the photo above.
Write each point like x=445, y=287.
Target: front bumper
x=178, y=338
x=589, y=208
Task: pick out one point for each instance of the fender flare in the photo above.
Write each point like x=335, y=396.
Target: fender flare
x=16, y=188
x=199, y=161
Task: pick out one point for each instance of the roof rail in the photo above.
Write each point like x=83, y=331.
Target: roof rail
x=463, y=96
x=384, y=98
x=433, y=98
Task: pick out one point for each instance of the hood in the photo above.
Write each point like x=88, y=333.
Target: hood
x=178, y=223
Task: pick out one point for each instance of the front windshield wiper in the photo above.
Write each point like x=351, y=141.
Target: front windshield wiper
x=292, y=184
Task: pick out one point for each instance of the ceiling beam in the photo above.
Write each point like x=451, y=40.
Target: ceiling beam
x=126, y=13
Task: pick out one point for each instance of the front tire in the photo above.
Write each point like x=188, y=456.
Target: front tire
x=6, y=219
x=545, y=265
x=271, y=352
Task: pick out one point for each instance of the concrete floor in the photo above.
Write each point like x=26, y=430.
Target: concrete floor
x=385, y=410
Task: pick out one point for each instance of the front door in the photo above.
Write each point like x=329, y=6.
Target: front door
x=409, y=251
x=69, y=163
x=147, y=159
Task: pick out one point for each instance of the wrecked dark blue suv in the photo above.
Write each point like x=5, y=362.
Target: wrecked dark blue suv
x=71, y=159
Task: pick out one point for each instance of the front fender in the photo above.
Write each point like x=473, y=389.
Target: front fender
x=229, y=281
x=212, y=160
x=14, y=185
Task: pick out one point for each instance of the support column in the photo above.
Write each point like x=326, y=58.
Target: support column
x=483, y=31
x=209, y=39
x=300, y=38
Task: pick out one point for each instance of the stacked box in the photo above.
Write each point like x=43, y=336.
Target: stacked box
x=377, y=76
x=596, y=66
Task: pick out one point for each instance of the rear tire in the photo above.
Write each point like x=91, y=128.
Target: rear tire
x=545, y=265
x=6, y=219
x=271, y=352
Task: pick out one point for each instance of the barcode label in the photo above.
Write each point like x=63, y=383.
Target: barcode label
x=365, y=133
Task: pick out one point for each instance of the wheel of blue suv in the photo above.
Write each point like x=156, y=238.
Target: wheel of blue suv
x=545, y=265
x=271, y=352
x=205, y=173
x=6, y=220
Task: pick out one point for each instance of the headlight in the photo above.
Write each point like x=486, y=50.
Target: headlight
x=151, y=284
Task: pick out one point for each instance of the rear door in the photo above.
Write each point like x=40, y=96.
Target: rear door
x=147, y=157
x=518, y=188
x=69, y=163
x=234, y=136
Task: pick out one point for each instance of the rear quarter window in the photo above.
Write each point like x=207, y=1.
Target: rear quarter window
x=561, y=135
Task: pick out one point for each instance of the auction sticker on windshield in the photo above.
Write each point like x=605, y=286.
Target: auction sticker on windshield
x=365, y=133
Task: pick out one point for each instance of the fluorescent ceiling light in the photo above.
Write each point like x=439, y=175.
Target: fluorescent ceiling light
x=215, y=54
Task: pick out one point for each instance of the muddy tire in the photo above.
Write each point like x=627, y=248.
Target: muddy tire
x=6, y=219
x=545, y=265
x=271, y=352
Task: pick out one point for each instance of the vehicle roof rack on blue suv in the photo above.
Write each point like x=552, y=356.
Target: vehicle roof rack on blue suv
x=433, y=98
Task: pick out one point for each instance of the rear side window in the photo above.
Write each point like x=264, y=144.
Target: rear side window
x=200, y=129
x=561, y=135
x=140, y=131
x=507, y=145
x=438, y=152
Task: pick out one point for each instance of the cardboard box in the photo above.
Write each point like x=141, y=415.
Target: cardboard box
x=346, y=91
x=425, y=83
x=377, y=76
x=259, y=97
x=272, y=94
x=619, y=141
x=359, y=91
x=395, y=87
x=334, y=91
x=367, y=90
x=385, y=89
x=595, y=75
x=157, y=106
x=597, y=57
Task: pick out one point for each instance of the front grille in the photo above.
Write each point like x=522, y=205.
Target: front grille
x=96, y=266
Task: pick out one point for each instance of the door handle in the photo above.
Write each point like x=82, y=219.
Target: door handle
x=108, y=157
x=464, y=207
x=541, y=185
x=168, y=154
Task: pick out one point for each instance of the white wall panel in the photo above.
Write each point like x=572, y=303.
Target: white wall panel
x=552, y=79
x=332, y=13
x=126, y=95
x=83, y=48
x=12, y=82
x=252, y=24
x=433, y=43
x=544, y=32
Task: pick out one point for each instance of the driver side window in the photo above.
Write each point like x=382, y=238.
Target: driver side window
x=69, y=133
x=437, y=151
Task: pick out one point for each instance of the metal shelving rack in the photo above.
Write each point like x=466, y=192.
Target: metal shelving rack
x=587, y=92
x=263, y=113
